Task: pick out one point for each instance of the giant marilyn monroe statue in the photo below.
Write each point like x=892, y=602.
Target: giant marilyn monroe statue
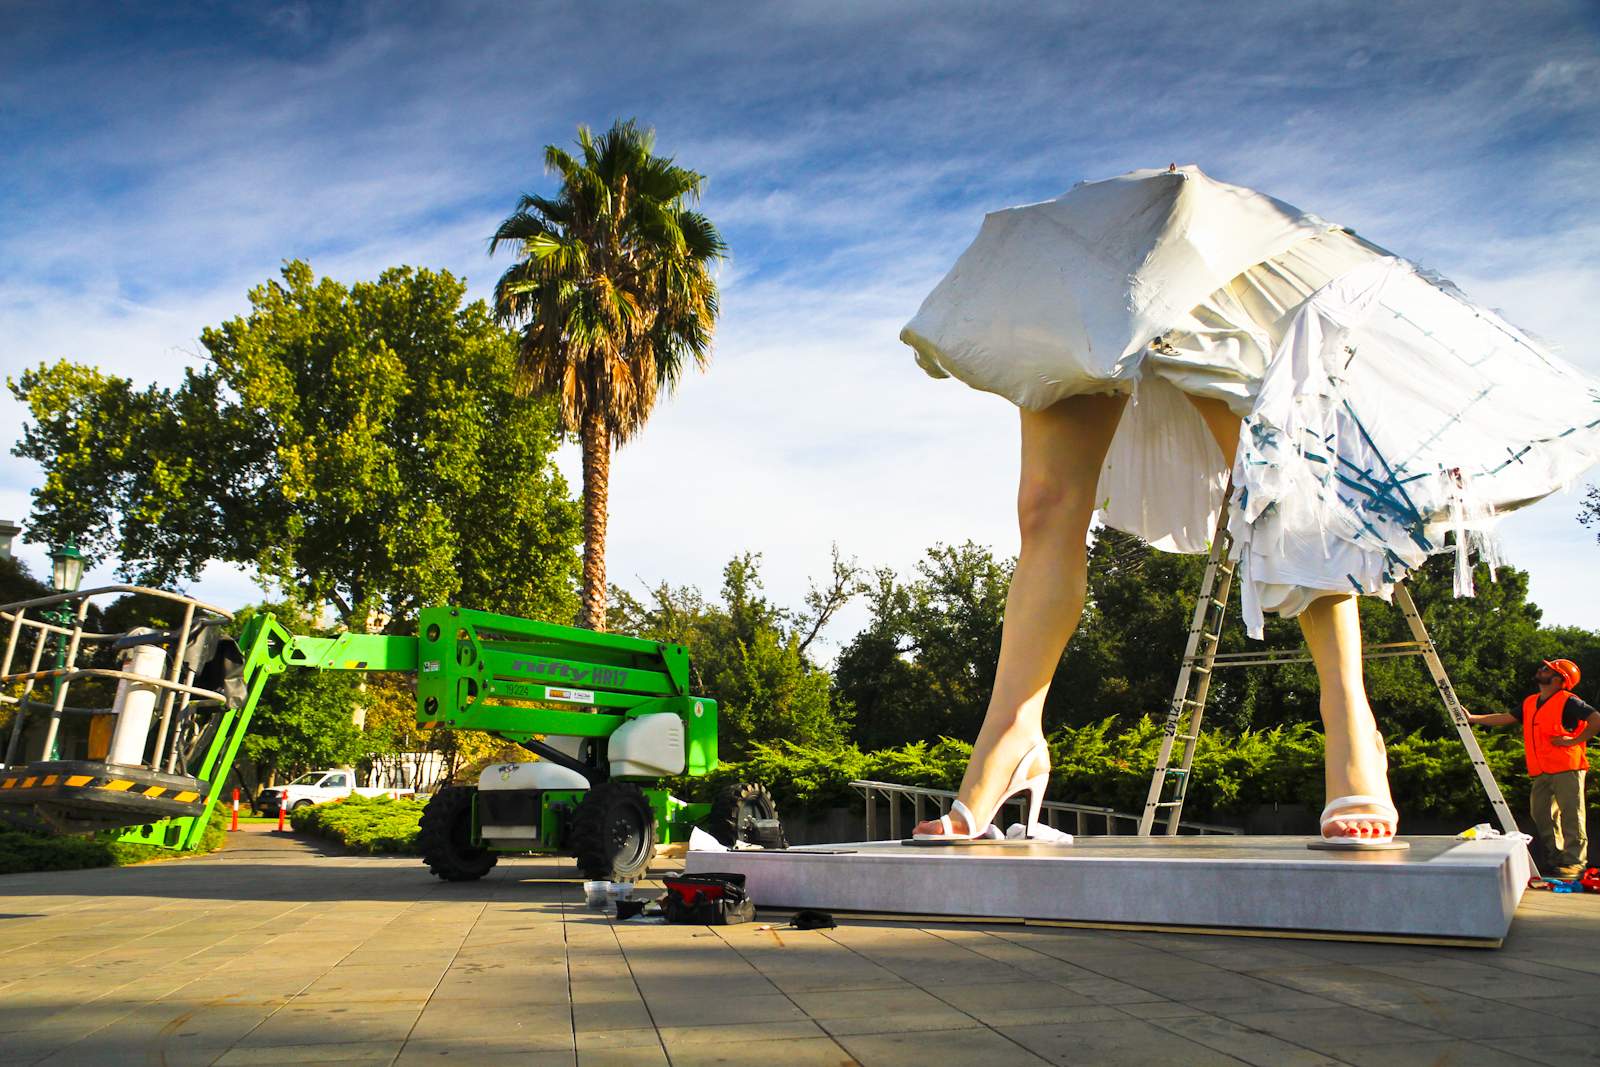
x=1160, y=331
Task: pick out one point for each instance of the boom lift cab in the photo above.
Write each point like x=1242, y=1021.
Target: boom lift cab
x=608, y=716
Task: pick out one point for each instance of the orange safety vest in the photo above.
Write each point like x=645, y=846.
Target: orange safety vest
x=1539, y=724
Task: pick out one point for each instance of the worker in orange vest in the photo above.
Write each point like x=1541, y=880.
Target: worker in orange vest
x=1556, y=725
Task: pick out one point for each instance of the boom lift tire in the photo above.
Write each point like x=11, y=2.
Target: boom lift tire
x=613, y=833
x=444, y=834
x=745, y=814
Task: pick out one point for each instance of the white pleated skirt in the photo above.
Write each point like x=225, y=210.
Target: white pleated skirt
x=1384, y=418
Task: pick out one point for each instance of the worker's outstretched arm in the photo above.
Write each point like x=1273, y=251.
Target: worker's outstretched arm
x=1498, y=718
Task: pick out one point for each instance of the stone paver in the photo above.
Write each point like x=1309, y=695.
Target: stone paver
x=273, y=952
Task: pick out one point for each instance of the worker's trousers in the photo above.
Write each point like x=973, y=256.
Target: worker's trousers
x=1556, y=803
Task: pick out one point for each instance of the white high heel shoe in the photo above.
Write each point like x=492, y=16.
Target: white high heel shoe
x=1033, y=785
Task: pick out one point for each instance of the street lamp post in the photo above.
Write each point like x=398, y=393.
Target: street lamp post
x=66, y=574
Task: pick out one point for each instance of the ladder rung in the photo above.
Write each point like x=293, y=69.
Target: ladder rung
x=1169, y=803
x=1185, y=737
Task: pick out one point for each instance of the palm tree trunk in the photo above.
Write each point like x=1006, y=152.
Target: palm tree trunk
x=596, y=487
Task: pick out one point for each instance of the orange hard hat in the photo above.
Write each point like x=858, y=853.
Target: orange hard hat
x=1568, y=671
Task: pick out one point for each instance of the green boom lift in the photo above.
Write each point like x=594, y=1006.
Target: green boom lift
x=609, y=717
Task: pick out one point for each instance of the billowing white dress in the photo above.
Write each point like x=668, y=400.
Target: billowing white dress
x=1382, y=410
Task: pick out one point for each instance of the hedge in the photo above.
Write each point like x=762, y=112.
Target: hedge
x=22, y=851
x=372, y=825
x=1233, y=775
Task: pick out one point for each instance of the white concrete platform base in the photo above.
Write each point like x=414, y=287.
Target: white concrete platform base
x=1440, y=888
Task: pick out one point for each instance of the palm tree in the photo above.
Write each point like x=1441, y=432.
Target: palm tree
x=613, y=295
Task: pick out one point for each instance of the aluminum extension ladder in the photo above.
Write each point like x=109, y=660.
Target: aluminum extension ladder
x=1200, y=659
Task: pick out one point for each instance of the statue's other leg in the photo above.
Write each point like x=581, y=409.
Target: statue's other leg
x=1356, y=763
x=1063, y=449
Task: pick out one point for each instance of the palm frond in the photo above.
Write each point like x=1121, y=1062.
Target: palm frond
x=517, y=228
x=701, y=239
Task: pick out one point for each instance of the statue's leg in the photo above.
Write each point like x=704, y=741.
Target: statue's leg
x=1063, y=449
x=1355, y=762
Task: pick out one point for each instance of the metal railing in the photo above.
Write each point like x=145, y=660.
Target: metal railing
x=1078, y=819
x=64, y=629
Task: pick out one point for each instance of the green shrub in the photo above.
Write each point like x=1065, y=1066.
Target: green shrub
x=1233, y=774
x=22, y=851
x=372, y=825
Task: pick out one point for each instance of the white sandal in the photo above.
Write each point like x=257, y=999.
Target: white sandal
x=1383, y=812
x=948, y=832
x=1033, y=785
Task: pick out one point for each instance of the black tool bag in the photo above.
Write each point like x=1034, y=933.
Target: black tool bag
x=707, y=900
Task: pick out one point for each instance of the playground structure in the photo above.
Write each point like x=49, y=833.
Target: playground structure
x=609, y=717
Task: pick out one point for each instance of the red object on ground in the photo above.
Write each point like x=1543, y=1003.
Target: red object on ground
x=1591, y=879
x=280, y=818
x=235, y=824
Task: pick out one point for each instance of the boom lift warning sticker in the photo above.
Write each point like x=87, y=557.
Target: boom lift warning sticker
x=571, y=696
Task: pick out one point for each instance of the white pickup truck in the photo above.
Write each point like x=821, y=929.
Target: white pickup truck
x=319, y=787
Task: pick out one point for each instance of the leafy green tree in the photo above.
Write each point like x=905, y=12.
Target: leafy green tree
x=1563, y=642
x=392, y=741
x=363, y=447
x=923, y=667
x=750, y=655
x=1125, y=659
x=17, y=583
x=304, y=721
x=1489, y=644
x=614, y=295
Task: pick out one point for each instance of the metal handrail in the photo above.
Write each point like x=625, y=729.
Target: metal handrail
x=179, y=694
x=67, y=674
x=1051, y=813
x=160, y=594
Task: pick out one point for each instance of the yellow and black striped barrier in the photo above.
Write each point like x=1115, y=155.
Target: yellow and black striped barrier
x=109, y=783
x=79, y=796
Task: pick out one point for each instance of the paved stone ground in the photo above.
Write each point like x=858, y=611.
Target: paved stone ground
x=273, y=953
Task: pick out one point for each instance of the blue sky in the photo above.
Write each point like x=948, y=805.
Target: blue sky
x=161, y=159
